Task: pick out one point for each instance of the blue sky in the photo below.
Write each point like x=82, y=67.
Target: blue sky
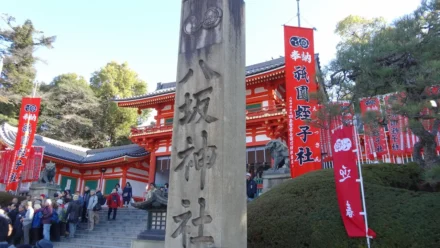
x=144, y=33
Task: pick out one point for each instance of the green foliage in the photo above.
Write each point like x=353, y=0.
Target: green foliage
x=304, y=212
x=117, y=80
x=374, y=58
x=432, y=177
x=17, y=44
x=72, y=113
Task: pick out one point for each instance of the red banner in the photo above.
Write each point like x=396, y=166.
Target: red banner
x=375, y=143
x=409, y=138
x=6, y=158
x=347, y=187
x=32, y=169
x=396, y=126
x=27, y=126
x=303, y=138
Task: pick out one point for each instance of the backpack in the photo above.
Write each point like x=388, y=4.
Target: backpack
x=97, y=206
x=55, y=218
x=101, y=199
x=115, y=198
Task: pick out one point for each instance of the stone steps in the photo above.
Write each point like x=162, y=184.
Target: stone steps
x=109, y=234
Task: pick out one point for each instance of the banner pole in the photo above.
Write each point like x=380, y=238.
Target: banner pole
x=364, y=205
x=357, y=141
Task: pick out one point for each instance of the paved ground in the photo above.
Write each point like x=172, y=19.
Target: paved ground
x=109, y=234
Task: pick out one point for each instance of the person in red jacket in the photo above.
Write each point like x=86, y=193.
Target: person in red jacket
x=113, y=201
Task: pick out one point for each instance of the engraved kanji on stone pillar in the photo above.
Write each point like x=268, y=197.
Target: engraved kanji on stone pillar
x=209, y=129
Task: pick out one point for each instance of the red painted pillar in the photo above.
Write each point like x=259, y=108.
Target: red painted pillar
x=57, y=174
x=152, y=167
x=124, y=176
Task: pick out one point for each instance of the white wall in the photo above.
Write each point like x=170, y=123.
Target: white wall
x=138, y=188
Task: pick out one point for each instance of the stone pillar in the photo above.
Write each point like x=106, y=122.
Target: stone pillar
x=207, y=197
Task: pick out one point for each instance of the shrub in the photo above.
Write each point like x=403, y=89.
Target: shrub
x=304, y=212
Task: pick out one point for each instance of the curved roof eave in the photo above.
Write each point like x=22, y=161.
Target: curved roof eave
x=71, y=153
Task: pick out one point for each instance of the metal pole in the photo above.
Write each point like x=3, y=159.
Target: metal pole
x=297, y=6
x=358, y=143
x=34, y=90
x=364, y=205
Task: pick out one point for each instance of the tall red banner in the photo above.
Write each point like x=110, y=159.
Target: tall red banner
x=303, y=138
x=32, y=169
x=6, y=158
x=347, y=187
x=395, y=126
x=27, y=126
x=375, y=143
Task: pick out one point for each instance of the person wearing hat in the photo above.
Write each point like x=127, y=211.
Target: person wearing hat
x=251, y=187
x=61, y=216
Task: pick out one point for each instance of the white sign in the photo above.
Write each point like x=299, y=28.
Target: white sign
x=344, y=173
x=342, y=145
x=349, y=211
x=69, y=182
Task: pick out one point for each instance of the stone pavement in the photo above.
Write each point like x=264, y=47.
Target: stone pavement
x=109, y=234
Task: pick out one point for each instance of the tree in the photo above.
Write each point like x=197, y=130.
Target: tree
x=71, y=112
x=17, y=44
x=117, y=80
x=374, y=58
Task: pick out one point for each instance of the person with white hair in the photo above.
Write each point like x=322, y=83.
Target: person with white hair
x=36, y=224
x=92, y=214
x=47, y=218
x=27, y=221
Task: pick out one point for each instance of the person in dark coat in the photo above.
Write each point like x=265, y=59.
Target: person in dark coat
x=47, y=219
x=12, y=214
x=18, y=225
x=86, y=198
x=251, y=187
x=127, y=193
x=55, y=228
x=113, y=201
x=13, y=211
x=73, y=213
x=5, y=230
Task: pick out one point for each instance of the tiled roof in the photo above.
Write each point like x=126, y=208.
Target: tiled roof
x=76, y=154
x=164, y=88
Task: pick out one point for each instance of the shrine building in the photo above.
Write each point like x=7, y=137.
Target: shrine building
x=148, y=159
x=77, y=167
x=265, y=118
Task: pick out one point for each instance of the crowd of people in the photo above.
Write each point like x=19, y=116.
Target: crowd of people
x=37, y=221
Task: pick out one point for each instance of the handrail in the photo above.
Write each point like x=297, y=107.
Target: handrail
x=252, y=113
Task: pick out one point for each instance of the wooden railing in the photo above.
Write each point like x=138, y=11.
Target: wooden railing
x=264, y=111
x=150, y=130
x=250, y=114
